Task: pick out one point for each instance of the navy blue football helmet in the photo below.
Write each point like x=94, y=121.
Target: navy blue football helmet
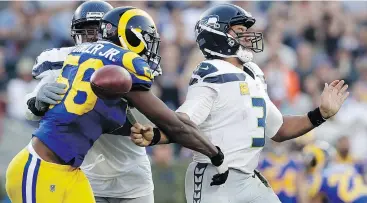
x=212, y=33
x=85, y=22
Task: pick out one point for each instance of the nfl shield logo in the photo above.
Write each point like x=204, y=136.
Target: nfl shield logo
x=52, y=188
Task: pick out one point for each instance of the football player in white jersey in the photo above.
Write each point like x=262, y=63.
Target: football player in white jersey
x=118, y=170
x=227, y=99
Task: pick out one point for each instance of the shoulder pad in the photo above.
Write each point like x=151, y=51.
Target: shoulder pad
x=139, y=70
x=255, y=68
x=216, y=71
x=50, y=59
x=202, y=70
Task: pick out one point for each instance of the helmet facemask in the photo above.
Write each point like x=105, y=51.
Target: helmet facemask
x=85, y=32
x=151, y=43
x=246, y=41
x=250, y=40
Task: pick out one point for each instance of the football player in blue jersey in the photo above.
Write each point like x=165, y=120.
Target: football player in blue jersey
x=108, y=165
x=50, y=164
x=282, y=169
x=329, y=181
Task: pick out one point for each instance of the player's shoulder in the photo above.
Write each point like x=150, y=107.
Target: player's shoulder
x=138, y=67
x=53, y=55
x=216, y=71
x=212, y=67
x=50, y=59
x=205, y=68
x=220, y=66
x=254, y=68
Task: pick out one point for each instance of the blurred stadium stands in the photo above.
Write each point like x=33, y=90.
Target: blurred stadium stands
x=306, y=45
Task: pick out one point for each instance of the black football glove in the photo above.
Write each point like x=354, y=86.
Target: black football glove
x=222, y=168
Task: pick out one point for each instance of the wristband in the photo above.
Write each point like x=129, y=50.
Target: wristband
x=32, y=107
x=316, y=117
x=156, y=136
x=218, y=159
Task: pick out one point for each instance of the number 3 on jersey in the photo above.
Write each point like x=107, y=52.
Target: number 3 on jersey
x=261, y=121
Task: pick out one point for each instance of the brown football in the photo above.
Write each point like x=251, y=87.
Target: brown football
x=111, y=82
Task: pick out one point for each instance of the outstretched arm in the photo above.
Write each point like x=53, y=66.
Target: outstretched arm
x=332, y=99
x=150, y=135
x=177, y=128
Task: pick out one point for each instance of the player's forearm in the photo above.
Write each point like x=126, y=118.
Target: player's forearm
x=293, y=127
x=193, y=135
x=177, y=128
x=187, y=134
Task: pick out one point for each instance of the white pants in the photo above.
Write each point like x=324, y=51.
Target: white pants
x=239, y=187
x=144, y=199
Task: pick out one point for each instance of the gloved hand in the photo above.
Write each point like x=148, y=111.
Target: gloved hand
x=49, y=93
x=222, y=168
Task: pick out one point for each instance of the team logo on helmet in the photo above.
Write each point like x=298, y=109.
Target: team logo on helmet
x=132, y=36
x=211, y=21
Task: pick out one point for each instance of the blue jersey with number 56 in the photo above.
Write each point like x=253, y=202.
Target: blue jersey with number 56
x=71, y=127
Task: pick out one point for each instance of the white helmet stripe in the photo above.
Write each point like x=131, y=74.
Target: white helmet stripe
x=212, y=30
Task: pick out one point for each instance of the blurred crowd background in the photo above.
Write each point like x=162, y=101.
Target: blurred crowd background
x=307, y=44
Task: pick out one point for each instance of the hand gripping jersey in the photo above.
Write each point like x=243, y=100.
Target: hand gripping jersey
x=339, y=183
x=239, y=112
x=71, y=127
x=281, y=172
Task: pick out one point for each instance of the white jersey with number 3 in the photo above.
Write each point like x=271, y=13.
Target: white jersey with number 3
x=233, y=110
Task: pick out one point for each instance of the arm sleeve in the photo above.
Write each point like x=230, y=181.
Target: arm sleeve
x=274, y=119
x=199, y=103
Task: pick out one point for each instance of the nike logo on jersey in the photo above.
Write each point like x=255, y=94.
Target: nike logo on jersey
x=206, y=68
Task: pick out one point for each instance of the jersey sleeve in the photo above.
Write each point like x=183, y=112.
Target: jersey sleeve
x=199, y=102
x=274, y=119
x=51, y=59
x=141, y=74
